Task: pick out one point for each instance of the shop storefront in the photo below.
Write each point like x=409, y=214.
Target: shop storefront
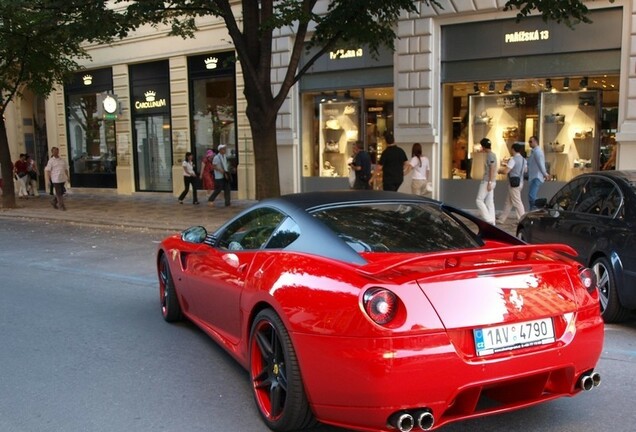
x=346, y=96
x=150, y=111
x=508, y=81
x=212, y=88
x=91, y=137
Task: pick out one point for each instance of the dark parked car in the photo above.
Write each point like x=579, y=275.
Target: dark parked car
x=595, y=213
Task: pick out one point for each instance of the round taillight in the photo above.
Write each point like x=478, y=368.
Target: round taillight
x=588, y=279
x=380, y=304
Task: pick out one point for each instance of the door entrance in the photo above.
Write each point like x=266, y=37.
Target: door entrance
x=153, y=153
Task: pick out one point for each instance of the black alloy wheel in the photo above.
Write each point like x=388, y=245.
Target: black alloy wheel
x=276, y=380
x=170, y=308
x=611, y=308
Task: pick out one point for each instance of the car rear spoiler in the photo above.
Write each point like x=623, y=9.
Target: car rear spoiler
x=454, y=258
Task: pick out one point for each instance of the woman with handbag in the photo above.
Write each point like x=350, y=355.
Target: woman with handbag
x=515, y=169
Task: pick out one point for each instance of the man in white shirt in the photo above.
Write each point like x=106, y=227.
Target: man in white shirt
x=56, y=173
x=222, y=177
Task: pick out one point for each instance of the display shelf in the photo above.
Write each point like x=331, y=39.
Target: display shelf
x=496, y=117
x=339, y=122
x=567, y=133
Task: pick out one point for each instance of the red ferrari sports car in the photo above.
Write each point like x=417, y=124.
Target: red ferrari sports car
x=380, y=311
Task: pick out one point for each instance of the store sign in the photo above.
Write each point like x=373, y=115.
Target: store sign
x=527, y=36
x=343, y=54
x=150, y=102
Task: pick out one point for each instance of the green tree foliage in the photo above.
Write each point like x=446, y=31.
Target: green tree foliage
x=568, y=12
x=40, y=44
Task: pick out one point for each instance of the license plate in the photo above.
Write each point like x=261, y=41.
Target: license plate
x=508, y=337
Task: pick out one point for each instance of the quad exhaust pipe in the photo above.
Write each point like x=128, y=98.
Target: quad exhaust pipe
x=406, y=421
x=590, y=380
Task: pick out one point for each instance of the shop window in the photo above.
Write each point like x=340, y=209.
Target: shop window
x=92, y=141
x=334, y=120
x=214, y=118
x=574, y=118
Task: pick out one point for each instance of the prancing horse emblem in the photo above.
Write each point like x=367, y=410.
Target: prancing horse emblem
x=516, y=300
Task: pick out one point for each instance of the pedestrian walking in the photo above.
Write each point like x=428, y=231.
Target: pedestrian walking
x=32, y=173
x=189, y=179
x=514, y=169
x=20, y=170
x=207, y=172
x=537, y=172
x=486, y=195
x=56, y=174
x=420, y=166
x=361, y=166
x=392, y=164
x=222, y=177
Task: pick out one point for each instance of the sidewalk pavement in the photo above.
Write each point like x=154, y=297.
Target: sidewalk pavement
x=157, y=211
x=146, y=210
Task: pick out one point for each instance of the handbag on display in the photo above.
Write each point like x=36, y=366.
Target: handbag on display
x=332, y=147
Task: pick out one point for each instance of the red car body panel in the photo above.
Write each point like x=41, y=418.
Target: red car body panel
x=356, y=373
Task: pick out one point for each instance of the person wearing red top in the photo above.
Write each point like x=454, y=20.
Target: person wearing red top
x=20, y=168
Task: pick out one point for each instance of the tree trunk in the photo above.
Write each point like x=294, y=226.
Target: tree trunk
x=265, y=158
x=6, y=164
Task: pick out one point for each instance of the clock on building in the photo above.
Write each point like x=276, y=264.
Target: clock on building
x=110, y=104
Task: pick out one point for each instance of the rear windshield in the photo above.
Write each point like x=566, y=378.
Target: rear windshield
x=397, y=228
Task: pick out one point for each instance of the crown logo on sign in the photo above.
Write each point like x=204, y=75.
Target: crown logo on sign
x=211, y=62
x=88, y=79
x=150, y=95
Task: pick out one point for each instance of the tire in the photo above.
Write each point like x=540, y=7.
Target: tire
x=170, y=308
x=275, y=374
x=611, y=308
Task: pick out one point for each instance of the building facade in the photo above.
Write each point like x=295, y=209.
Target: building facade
x=458, y=74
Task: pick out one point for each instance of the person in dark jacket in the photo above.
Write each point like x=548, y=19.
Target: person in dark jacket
x=392, y=164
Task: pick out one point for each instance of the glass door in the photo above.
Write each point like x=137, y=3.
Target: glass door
x=153, y=153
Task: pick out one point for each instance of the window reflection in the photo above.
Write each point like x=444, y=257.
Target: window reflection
x=92, y=139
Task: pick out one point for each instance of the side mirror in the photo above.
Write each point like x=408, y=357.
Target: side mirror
x=541, y=202
x=195, y=234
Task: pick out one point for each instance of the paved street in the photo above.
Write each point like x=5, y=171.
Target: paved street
x=84, y=347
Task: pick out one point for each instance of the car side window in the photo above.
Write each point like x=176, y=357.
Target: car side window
x=252, y=230
x=284, y=235
x=593, y=195
x=612, y=204
x=565, y=198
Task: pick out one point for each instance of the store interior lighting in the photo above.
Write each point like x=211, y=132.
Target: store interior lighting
x=583, y=83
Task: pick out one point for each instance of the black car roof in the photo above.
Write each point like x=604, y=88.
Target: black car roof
x=300, y=205
x=311, y=200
